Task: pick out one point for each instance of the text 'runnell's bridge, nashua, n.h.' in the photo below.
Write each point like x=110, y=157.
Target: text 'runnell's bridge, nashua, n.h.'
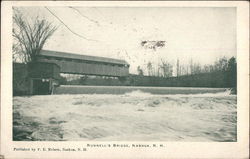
x=49, y=64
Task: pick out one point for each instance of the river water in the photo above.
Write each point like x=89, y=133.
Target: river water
x=134, y=115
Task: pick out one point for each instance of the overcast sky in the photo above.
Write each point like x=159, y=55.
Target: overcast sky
x=203, y=34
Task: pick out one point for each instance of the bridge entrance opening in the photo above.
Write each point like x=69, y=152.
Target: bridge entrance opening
x=41, y=87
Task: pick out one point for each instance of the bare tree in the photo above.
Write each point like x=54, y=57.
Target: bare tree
x=197, y=68
x=140, y=71
x=149, y=67
x=191, y=66
x=29, y=39
x=167, y=68
x=178, y=68
x=221, y=64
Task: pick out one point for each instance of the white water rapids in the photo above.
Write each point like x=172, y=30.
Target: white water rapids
x=134, y=116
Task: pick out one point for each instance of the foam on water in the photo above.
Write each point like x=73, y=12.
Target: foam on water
x=123, y=90
x=132, y=116
x=139, y=93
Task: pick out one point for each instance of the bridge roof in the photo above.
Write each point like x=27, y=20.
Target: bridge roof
x=81, y=57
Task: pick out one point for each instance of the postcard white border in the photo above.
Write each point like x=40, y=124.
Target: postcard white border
x=237, y=149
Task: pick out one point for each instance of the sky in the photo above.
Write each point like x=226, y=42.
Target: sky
x=200, y=34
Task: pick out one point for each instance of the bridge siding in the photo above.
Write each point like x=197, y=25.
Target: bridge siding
x=93, y=68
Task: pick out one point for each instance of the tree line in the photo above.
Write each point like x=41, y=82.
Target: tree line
x=166, y=69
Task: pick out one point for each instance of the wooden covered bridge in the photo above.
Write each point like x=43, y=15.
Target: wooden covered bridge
x=83, y=64
x=44, y=74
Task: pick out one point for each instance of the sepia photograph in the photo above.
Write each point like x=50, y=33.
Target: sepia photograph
x=112, y=79
x=150, y=74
